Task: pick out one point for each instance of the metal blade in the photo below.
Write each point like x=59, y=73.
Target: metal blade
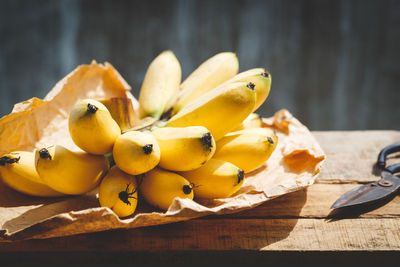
x=368, y=193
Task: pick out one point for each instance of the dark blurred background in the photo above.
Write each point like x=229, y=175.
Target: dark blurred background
x=335, y=64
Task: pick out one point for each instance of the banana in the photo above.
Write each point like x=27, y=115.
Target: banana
x=207, y=76
x=118, y=191
x=18, y=171
x=248, y=149
x=160, y=84
x=121, y=110
x=261, y=79
x=160, y=187
x=136, y=152
x=184, y=149
x=69, y=172
x=220, y=111
x=92, y=127
x=252, y=121
x=215, y=179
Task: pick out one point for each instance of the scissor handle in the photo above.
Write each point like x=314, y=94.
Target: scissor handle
x=393, y=168
x=386, y=151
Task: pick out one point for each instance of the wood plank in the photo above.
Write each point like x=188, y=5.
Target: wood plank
x=315, y=202
x=227, y=234
x=351, y=155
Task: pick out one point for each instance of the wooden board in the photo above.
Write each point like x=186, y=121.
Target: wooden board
x=351, y=155
x=300, y=224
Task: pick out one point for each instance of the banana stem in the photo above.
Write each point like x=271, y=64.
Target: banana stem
x=147, y=126
x=110, y=159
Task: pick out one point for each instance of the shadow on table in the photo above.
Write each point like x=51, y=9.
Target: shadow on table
x=356, y=211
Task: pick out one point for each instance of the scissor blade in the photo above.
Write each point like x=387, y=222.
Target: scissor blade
x=368, y=193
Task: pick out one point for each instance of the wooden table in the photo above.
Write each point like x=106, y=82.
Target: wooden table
x=295, y=228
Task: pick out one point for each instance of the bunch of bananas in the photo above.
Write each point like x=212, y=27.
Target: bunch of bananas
x=194, y=139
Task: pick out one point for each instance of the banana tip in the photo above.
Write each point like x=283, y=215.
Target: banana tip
x=240, y=175
x=44, y=153
x=7, y=160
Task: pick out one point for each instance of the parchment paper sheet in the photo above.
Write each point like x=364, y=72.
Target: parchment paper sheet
x=293, y=165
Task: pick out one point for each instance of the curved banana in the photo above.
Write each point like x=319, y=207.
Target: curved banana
x=260, y=77
x=17, y=169
x=207, y=76
x=215, y=179
x=252, y=121
x=220, y=111
x=160, y=84
x=136, y=152
x=92, y=128
x=160, y=187
x=248, y=149
x=69, y=172
x=184, y=149
x=118, y=191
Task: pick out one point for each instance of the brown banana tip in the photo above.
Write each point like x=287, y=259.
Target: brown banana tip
x=240, y=176
x=166, y=115
x=91, y=108
x=7, y=160
x=270, y=140
x=266, y=74
x=147, y=149
x=251, y=85
x=124, y=196
x=206, y=140
x=187, y=189
x=44, y=153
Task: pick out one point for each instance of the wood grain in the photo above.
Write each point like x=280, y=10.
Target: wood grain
x=239, y=234
x=315, y=202
x=351, y=155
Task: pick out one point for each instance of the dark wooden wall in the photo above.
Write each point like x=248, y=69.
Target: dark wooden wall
x=335, y=64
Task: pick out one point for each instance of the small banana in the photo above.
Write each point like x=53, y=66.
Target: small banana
x=215, y=179
x=17, y=169
x=69, y=172
x=118, y=191
x=160, y=187
x=220, y=111
x=92, y=127
x=184, y=149
x=261, y=79
x=248, y=149
x=207, y=76
x=160, y=84
x=252, y=121
x=136, y=152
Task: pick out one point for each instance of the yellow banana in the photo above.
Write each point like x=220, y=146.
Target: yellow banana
x=207, y=76
x=261, y=79
x=160, y=84
x=136, y=152
x=92, y=128
x=184, y=149
x=248, y=149
x=121, y=110
x=17, y=169
x=252, y=121
x=160, y=187
x=69, y=172
x=215, y=179
x=220, y=111
x=118, y=191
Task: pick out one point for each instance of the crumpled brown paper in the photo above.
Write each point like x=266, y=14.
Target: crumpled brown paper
x=293, y=165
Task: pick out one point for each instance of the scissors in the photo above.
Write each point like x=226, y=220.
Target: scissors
x=369, y=193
